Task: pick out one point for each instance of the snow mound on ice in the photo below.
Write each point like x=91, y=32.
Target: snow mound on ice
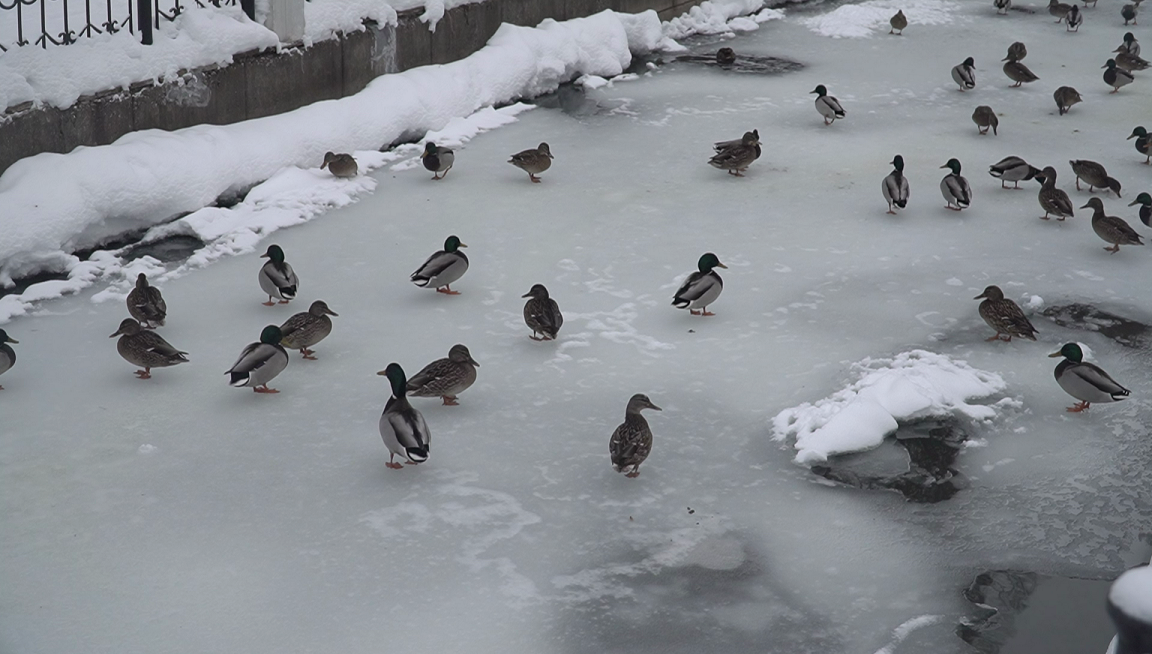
x=862, y=20
x=720, y=17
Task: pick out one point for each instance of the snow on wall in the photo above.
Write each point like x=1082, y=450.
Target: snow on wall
x=911, y=385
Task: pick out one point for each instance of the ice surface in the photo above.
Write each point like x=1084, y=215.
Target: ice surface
x=269, y=524
x=871, y=18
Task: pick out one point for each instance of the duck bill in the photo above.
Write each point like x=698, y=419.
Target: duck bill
x=264, y=256
x=114, y=335
x=462, y=245
x=12, y=340
x=981, y=296
x=721, y=265
x=1086, y=206
x=526, y=295
x=1131, y=136
x=1054, y=355
x=1133, y=203
x=382, y=373
x=654, y=407
x=331, y=313
x=473, y=362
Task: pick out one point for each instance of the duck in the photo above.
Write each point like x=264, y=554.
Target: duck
x=1012, y=169
x=437, y=159
x=1144, y=200
x=1130, y=45
x=828, y=106
x=1085, y=381
x=1112, y=229
x=445, y=378
x=631, y=442
x=146, y=304
x=1016, y=52
x=277, y=279
x=736, y=158
x=8, y=355
x=1129, y=12
x=401, y=426
x=725, y=56
x=145, y=349
x=542, y=314
x=260, y=362
x=340, y=165
x=1058, y=9
x=1002, y=6
x=1094, y=176
x=1143, y=143
x=308, y=328
x=443, y=268
x=721, y=146
x=1004, y=316
x=985, y=118
x=1074, y=19
x=964, y=74
x=701, y=288
x=1116, y=77
x=1053, y=200
x=1065, y=97
x=533, y=161
x=1130, y=62
x=898, y=23
x=895, y=186
x=1018, y=73
x=954, y=187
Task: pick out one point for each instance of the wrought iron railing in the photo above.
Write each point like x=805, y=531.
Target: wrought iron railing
x=59, y=22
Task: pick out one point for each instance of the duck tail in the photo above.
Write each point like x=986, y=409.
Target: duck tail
x=237, y=379
x=288, y=292
x=417, y=454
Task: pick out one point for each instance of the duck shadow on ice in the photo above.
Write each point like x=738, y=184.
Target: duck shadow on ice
x=1125, y=331
x=931, y=447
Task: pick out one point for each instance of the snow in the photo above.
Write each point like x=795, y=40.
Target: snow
x=870, y=18
x=721, y=17
x=269, y=524
x=912, y=385
x=1132, y=593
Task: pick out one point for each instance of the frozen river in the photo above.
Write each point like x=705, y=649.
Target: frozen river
x=181, y=515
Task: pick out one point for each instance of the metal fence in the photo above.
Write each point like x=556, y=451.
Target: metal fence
x=60, y=22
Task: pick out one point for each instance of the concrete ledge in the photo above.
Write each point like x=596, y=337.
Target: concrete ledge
x=264, y=83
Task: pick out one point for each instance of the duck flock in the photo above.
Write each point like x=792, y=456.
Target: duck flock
x=403, y=428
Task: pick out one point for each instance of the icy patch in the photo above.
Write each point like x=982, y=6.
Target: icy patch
x=1132, y=593
x=720, y=17
x=912, y=385
x=862, y=20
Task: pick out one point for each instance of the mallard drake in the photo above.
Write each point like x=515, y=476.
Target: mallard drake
x=898, y=23
x=542, y=314
x=1130, y=62
x=145, y=349
x=1143, y=142
x=955, y=188
x=1058, y=9
x=1002, y=6
x=738, y=157
x=828, y=106
x=701, y=288
x=1129, y=12
x=401, y=426
x=1116, y=77
x=1012, y=169
x=632, y=441
x=1074, y=19
x=721, y=146
x=277, y=278
x=1144, y=200
x=308, y=328
x=1085, y=381
x=437, y=159
x=260, y=362
x=1112, y=229
x=1052, y=199
x=1016, y=52
x=1018, y=73
x=8, y=355
x=533, y=161
x=725, y=56
x=443, y=268
x=895, y=185
x=1130, y=44
x=985, y=118
x=340, y=165
x=445, y=378
x=964, y=74
x=1094, y=176
x=1065, y=97
x=1004, y=316
x=146, y=304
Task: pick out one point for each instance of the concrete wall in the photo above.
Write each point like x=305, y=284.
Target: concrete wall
x=260, y=84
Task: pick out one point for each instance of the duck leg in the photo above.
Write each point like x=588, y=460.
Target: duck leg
x=705, y=312
x=263, y=388
x=270, y=302
x=1078, y=407
x=694, y=312
x=635, y=472
x=308, y=353
x=450, y=400
x=392, y=464
x=447, y=290
x=1114, y=249
x=144, y=374
x=535, y=179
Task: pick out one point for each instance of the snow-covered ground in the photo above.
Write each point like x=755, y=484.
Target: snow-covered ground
x=181, y=515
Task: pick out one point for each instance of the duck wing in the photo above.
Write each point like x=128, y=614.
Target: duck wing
x=436, y=377
x=407, y=425
x=437, y=264
x=155, y=343
x=253, y=357
x=692, y=288
x=1095, y=375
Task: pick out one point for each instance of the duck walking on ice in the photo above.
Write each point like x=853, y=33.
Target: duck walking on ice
x=1085, y=381
x=631, y=442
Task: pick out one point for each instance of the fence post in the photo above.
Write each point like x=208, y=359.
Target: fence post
x=144, y=20
x=249, y=7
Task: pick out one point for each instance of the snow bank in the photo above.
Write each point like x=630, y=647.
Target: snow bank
x=323, y=19
x=862, y=20
x=720, y=17
x=1132, y=593
x=911, y=385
